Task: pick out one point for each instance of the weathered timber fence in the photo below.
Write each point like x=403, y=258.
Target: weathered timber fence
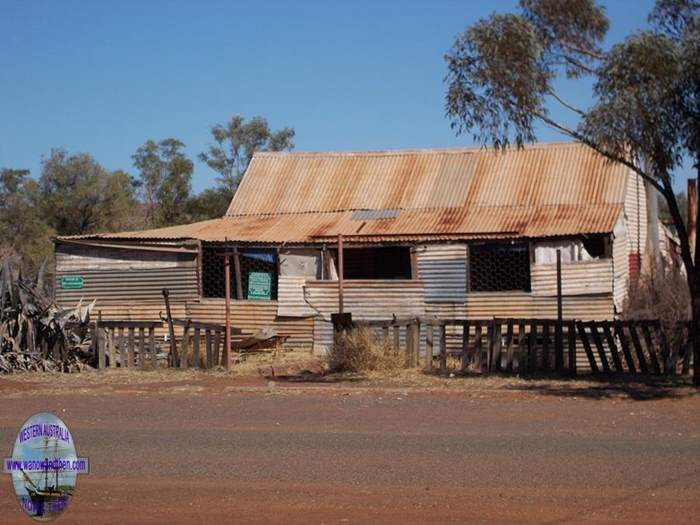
x=527, y=346
x=128, y=344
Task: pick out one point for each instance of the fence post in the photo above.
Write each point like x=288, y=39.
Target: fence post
x=195, y=348
x=142, y=347
x=443, y=348
x=572, y=348
x=185, y=345
x=429, y=346
x=130, y=348
x=416, y=344
x=99, y=346
x=465, y=346
x=152, y=344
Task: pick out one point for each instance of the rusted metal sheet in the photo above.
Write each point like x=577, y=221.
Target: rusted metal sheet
x=579, y=278
x=538, y=175
x=411, y=225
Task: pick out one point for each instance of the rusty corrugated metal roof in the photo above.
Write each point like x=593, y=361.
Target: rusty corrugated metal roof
x=539, y=191
x=454, y=178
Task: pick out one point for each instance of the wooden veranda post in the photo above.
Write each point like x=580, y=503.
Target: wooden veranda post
x=340, y=274
x=227, y=293
x=171, y=328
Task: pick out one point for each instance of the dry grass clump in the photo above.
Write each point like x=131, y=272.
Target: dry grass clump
x=662, y=295
x=359, y=350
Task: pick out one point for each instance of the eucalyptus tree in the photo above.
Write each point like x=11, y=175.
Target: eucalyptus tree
x=165, y=179
x=503, y=73
x=235, y=142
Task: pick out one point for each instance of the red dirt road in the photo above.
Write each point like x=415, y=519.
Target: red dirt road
x=233, y=450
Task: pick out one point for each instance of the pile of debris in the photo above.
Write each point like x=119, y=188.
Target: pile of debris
x=36, y=333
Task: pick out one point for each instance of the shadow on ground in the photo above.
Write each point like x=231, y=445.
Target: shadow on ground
x=604, y=387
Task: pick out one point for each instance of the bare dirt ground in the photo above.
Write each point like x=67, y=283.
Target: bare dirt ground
x=181, y=447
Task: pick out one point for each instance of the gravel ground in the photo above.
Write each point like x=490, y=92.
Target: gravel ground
x=181, y=447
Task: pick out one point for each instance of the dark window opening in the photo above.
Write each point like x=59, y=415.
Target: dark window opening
x=597, y=247
x=389, y=262
x=258, y=265
x=499, y=267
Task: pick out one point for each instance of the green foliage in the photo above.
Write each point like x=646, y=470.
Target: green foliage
x=22, y=230
x=235, y=144
x=78, y=196
x=502, y=73
x=210, y=203
x=165, y=179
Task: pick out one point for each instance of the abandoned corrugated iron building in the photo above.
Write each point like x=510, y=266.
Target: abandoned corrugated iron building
x=455, y=233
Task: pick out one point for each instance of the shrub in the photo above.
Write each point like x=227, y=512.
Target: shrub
x=662, y=295
x=360, y=350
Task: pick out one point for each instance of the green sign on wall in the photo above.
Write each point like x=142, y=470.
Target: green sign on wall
x=72, y=282
x=259, y=285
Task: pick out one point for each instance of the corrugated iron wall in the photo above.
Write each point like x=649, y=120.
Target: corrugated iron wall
x=580, y=278
x=443, y=270
x=620, y=264
x=135, y=285
x=122, y=274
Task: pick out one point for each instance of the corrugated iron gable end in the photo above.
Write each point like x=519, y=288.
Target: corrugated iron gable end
x=324, y=182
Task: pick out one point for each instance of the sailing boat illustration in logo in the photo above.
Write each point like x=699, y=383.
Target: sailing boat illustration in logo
x=44, y=467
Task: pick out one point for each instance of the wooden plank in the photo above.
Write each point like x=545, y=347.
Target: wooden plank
x=100, y=347
x=131, y=324
x=465, y=346
x=385, y=333
x=593, y=325
x=651, y=349
x=624, y=344
x=142, y=348
x=509, y=346
x=559, y=346
x=669, y=363
x=571, y=336
x=217, y=344
x=120, y=343
x=195, y=347
x=581, y=327
x=617, y=362
x=152, y=347
x=185, y=347
x=531, y=359
x=429, y=347
x=208, y=349
x=638, y=347
x=545, y=346
x=497, y=342
x=478, y=350
x=397, y=339
x=443, y=349
x=415, y=357
x=130, y=349
x=522, y=347
x=110, y=348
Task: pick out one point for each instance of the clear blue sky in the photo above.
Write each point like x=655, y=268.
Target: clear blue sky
x=103, y=77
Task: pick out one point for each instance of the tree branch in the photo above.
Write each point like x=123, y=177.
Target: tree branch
x=582, y=51
x=597, y=147
x=568, y=106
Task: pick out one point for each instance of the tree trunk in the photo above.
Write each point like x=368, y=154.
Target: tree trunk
x=692, y=276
